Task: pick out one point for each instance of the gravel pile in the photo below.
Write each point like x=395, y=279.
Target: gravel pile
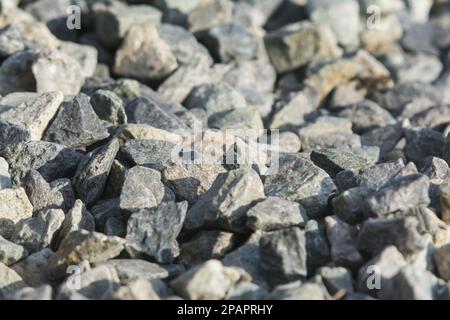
x=100, y=98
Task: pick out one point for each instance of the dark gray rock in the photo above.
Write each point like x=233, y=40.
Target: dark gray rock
x=92, y=173
x=42, y=196
x=11, y=253
x=351, y=206
x=283, y=256
x=317, y=248
x=109, y=107
x=299, y=180
x=53, y=161
x=12, y=139
x=155, y=154
x=76, y=124
x=423, y=143
x=386, y=138
x=153, y=232
x=334, y=161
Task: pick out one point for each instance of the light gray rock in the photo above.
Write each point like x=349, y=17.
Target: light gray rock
x=33, y=111
x=5, y=178
x=78, y=218
x=132, y=269
x=34, y=269
x=337, y=280
x=10, y=282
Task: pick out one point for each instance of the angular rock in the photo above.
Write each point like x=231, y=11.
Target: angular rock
x=337, y=279
x=92, y=173
x=34, y=269
x=155, y=154
x=283, y=256
x=142, y=189
x=226, y=203
x=144, y=55
x=209, y=14
x=301, y=181
x=41, y=195
x=76, y=125
x=442, y=260
x=11, y=253
x=334, y=161
x=14, y=206
x=78, y=218
x=133, y=269
x=153, y=232
x=10, y=282
x=422, y=143
x=275, y=213
x=33, y=112
x=377, y=234
x=109, y=107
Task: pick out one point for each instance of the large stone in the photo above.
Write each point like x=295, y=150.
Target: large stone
x=33, y=112
x=144, y=55
x=42, y=196
x=299, y=44
x=275, y=213
x=377, y=234
x=299, y=180
x=153, y=232
x=227, y=202
x=92, y=173
x=142, y=189
x=76, y=125
x=283, y=256
x=109, y=107
x=14, y=207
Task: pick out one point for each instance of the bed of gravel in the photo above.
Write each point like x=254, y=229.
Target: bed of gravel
x=97, y=94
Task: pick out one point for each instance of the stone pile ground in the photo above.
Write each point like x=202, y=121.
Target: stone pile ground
x=93, y=205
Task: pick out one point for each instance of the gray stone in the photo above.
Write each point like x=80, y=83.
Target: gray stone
x=367, y=115
x=299, y=180
x=86, y=56
x=317, y=248
x=144, y=55
x=247, y=258
x=109, y=107
x=142, y=189
x=139, y=289
x=298, y=290
x=113, y=21
x=386, y=138
x=275, y=213
x=216, y=99
x=297, y=44
x=227, y=202
x=12, y=138
x=41, y=195
x=377, y=234
x=11, y=253
x=401, y=194
x=422, y=143
x=230, y=42
x=33, y=112
x=351, y=205
x=53, y=161
x=38, y=232
x=248, y=291
x=78, y=218
x=206, y=245
x=64, y=186
x=14, y=206
x=342, y=238
x=149, y=112
x=106, y=209
x=336, y=160
x=92, y=173
x=189, y=182
x=76, y=125
x=209, y=281
x=153, y=232
x=34, y=269
x=155, y=154
x=283, y=256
